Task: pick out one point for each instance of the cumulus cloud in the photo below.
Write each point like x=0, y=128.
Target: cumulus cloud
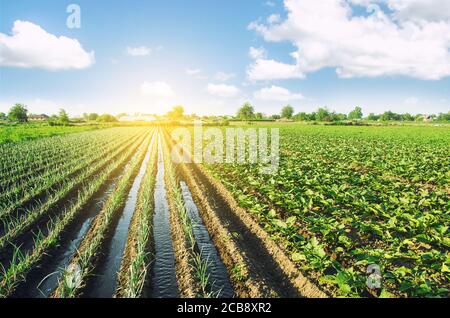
x=263, y=69
x=223, y=90
x=139, y=51
x=431, y=10
x=405, y=41
x=223, y=77
x=276, y=93
x=257, y=53
x=273, y=18
x=30, y=46
x=157, y=90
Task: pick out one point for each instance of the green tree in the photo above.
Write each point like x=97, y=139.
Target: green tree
x=276, y=117
x=323, y=115
x=338, y=116
x=287, y=112
x=246, y=112
x=3, y=116
x=121, y=115
x=407, y=117
x=390, y=116
x=63, y=117
x=92, y=116
x=355, y=113
x=302, y=116
x=259, y=116
x=18, y=113
x=176, y=113
x=373, y=117
x=106, y=118
x=444, y=117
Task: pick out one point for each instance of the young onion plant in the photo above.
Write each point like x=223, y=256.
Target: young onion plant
x=14, y=227
x=60, y=176
x=198, y=263
x=25, y=162
x=137, y=258
x=84, y=260
x=21, y=263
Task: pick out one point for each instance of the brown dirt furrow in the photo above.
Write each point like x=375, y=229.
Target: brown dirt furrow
x=232, y=256
x=184, y=271
x=268, y=258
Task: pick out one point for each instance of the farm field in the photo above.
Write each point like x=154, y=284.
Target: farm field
x=107, y=213
x=30, y=131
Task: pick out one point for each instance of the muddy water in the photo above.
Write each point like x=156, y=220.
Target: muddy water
x=46, y=280
x=218, y=276
x=164, y=280
x=105, y=282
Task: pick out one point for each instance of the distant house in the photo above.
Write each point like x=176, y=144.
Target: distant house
x=138, y=117
x=41, y=117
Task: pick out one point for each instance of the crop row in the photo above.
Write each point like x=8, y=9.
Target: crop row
x=18, y=181
x=335, y=221
x=22, y=262
x=55, y=178
x=84, y=261
x=15, y=226
x=35, y=155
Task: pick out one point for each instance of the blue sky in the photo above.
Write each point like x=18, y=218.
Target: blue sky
x=190, y=42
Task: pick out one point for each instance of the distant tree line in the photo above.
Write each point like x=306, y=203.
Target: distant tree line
x=19, y=114
x=105, y=118
x=247, y=112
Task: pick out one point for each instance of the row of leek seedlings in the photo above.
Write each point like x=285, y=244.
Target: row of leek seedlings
x=14, y=227
x=11, y=206
x=35, y=186
x=74, y=276
x=39, y=157
x=198, y=263
x=137, y=258
x=22, y=263
x=35, y=154
x=19, y=180
x=39, y=152
x=58, y=176
x=19, y=185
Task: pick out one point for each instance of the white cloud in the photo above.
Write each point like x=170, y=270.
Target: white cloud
x=329, y=34
x=263, y=69
x=276, y=93
x=257, y=53
x=194, y=71
x=223, y=90
x=273, y=18
x=30, y=46
x=157, y=90
x=139, y=51
x=431, y=10
x=269, y=4
x=223, y=77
